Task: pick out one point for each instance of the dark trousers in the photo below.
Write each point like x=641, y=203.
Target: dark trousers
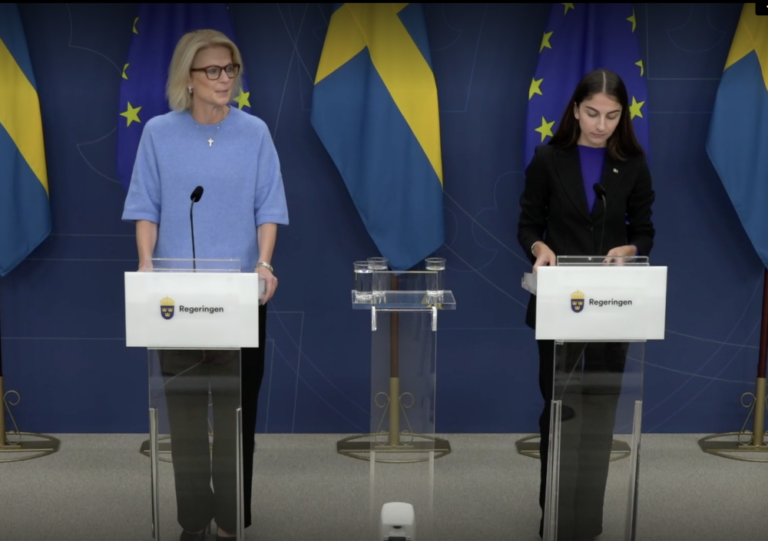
x=188, y=375
x=588, y=381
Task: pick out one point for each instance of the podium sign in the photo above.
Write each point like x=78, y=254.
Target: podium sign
x=599, y=313
x=601, y=303
x=191, y=310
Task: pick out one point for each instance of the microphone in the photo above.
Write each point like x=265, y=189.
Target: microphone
x=197, y=193
x=600, y=192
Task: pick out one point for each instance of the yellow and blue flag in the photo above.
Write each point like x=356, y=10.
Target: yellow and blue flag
x=738, y=133
x=25, y=210
x=375, y=109
x=578, y=39
x=157, y=28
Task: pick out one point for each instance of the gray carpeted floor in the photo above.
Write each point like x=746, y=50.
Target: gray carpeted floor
x=98, y=487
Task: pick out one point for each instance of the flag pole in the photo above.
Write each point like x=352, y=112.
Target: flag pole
x=3, y=440
x=755, y=450
x=758, y=433
x=43, y=445
x=394, y=373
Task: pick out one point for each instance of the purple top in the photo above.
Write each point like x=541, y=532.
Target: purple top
x=592, y=160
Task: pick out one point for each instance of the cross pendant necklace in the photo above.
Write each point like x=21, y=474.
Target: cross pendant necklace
x=210, y=138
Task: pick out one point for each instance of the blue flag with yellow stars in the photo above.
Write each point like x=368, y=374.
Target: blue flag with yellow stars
x=156, y=30
x=578, y=39
x=738, y=132
x=25, y=210
x=375, y=109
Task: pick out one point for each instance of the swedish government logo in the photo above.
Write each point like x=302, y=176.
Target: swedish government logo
x=577, y=301
x=167, y=308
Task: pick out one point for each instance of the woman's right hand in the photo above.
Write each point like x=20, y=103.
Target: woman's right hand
x=145, y=265
x=544, y=256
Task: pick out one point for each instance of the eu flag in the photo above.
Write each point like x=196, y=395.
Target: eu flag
x=578, y=39
x=25, y=210
x=156, y=30
x=738, y=132
x=375, y=109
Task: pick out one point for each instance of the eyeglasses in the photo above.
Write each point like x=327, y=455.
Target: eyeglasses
x=214, y=72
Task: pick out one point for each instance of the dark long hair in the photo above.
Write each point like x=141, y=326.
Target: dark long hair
x=622, y=143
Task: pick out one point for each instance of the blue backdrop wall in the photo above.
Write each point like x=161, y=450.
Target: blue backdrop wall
x=63, y=313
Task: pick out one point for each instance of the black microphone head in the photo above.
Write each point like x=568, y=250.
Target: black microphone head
x=197, y=193
x=599, y=190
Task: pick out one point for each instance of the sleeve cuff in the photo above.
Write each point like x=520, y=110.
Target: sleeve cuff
x=136, y=216
x=279, y=219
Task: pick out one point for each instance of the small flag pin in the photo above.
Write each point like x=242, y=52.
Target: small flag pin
x=615, y=170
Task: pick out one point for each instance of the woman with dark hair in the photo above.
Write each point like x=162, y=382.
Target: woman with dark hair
x=594, y=145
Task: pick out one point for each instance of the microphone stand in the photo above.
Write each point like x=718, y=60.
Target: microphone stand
x=192, y=227
x=600, y=192
x=602, y=229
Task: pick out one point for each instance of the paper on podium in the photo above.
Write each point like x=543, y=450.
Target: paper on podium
x=529, y=282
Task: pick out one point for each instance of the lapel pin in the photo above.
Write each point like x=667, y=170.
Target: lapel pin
x=615, y=170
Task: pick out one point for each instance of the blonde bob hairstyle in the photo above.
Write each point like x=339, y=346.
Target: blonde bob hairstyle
x=179, y=76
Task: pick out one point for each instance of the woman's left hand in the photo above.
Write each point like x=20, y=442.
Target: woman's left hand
x=270, y=282
x=615, y=254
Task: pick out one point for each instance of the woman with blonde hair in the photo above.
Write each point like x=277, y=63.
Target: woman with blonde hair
x=203, y=141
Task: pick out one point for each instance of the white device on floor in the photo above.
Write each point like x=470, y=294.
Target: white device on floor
x=398, y=522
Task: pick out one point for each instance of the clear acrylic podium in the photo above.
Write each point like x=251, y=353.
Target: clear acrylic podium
x=193, y=316
x=401, y=445
x=599, y=316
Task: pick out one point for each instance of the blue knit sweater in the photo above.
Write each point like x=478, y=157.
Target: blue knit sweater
x=240, y=175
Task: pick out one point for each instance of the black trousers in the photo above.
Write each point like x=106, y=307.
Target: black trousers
x=588, y=381
x=188, y=375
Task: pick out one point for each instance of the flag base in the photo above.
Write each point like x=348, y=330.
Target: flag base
x=734, y=450
x=410, y=447
x=23, y=448
x=749, y=446
x=529, y=446
x=27, y=449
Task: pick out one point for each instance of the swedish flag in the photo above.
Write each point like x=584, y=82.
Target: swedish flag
x=157, y=28
x=578, y=39
x=375, y=109
x=738, y=132
x=25, y=210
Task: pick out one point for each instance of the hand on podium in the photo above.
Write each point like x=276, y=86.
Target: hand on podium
x=270, y=282
x=544, y=256
x=615, y=255
x=145, y=265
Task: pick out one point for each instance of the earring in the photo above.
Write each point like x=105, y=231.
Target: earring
x=189, y=89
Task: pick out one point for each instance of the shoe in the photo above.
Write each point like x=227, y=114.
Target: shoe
x=220, y=538
x=186, y=536
x=567, y=413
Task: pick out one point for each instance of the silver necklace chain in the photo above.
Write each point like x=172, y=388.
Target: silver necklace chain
x=210, y=139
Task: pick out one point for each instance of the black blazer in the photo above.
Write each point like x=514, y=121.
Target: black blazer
x=554, y=207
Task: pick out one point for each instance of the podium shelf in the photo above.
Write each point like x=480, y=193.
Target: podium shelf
x=406, y=301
